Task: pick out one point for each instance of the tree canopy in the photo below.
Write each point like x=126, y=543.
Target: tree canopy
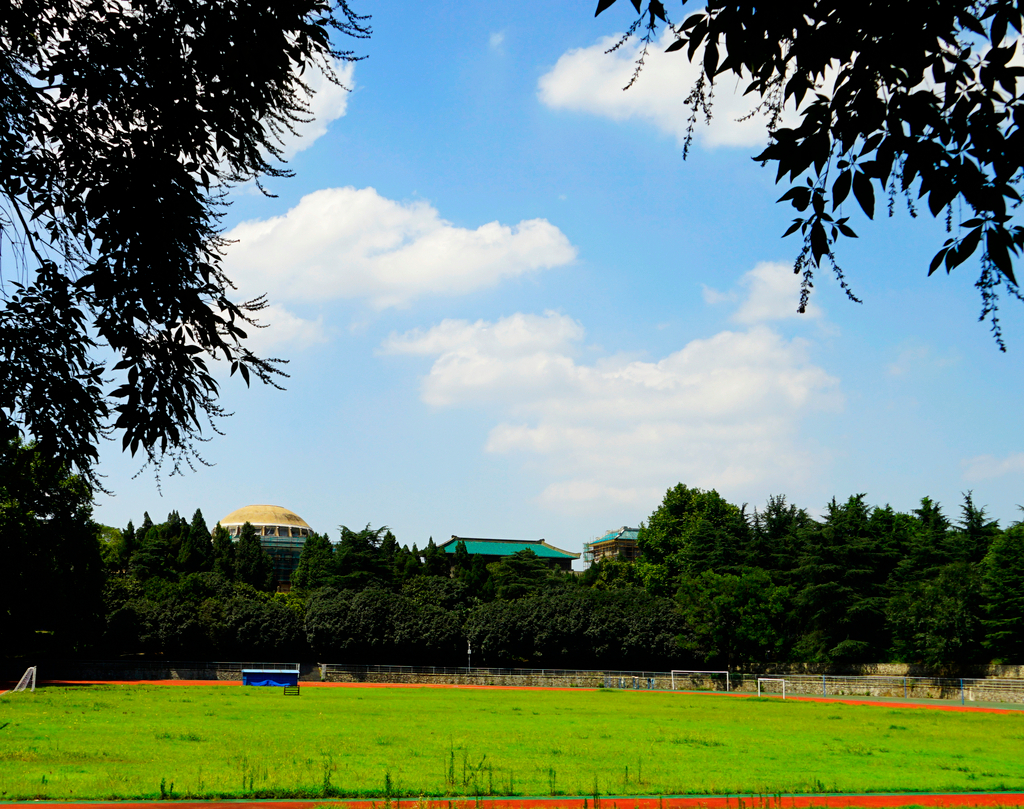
x=122, y=124
x=930, y=111
x=717, y=585
x=48, y=541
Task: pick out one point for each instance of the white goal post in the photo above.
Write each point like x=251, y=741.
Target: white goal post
x=771, y=680
x=27, y=681
x=687, y=672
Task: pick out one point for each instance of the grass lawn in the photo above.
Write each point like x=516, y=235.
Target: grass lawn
x=102, y=742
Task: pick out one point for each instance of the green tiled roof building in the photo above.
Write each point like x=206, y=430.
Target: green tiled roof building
x=494, y=550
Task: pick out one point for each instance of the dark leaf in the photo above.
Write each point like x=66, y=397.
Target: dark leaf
x=841, y=188
x=996, y=247
x=864, y=193
x=998, y=28
x=964, y=249
x=819, y=242
x=711, y=59
x=937, y=260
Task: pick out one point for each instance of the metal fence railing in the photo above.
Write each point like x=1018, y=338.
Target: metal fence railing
x=550, y=678
x=152, y=669
x=483, y=671
x=966, y=690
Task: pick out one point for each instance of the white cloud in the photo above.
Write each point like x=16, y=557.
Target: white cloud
x=770, y=291
x=722, y=412
x=909, y=358
x=590, y=80
x=282, y=327
x=773, y=293
x=713, y=296
x=916, y=356
x=986, y=467
x=354, y=243
x=496, y=40
x=510, y=336
x=329, y=103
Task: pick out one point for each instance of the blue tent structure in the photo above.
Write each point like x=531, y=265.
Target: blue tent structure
x=272, y=677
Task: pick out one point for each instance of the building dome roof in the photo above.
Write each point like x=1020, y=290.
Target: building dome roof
x=264, y=515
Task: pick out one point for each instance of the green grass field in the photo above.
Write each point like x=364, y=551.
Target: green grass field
x=106, y=742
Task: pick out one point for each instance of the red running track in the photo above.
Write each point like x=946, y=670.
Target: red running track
x=1005, y=799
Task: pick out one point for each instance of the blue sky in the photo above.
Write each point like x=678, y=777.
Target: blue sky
x=511, y=309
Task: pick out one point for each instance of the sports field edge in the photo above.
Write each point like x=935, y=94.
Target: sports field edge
x=948, y=794
x=846, y=700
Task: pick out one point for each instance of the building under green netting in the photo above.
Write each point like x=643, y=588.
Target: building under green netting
x=282, y=534
x=619, y=543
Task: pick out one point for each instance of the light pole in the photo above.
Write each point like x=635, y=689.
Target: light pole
x=469, y=655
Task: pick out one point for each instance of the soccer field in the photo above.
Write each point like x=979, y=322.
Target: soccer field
x=136, y=741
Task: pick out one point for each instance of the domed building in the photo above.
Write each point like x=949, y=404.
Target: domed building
x=282, y=534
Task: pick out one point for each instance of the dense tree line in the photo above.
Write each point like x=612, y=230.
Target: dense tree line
x=172, y=589
x=860, y=584
x=717, y=585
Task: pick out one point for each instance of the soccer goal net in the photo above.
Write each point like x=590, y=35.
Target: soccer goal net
x=771, y=680
x=700, y=680
x=27, y=681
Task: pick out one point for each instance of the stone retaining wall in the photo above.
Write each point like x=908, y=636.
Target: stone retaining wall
x=553, y=680
x=980, y=671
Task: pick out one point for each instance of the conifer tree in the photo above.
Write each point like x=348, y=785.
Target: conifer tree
x=842, y=578
x=435, y=560
x=316, y=566
x=976, y=532
x=223, y=553
x=196, y=552
x=1003, y=592
x=461, y=561
x=128, y=544
x=411, y=564
x=253, y=565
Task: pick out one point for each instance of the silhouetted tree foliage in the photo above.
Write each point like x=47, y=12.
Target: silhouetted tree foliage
x=930, y=111
x=53, y=572
x=121, y=127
